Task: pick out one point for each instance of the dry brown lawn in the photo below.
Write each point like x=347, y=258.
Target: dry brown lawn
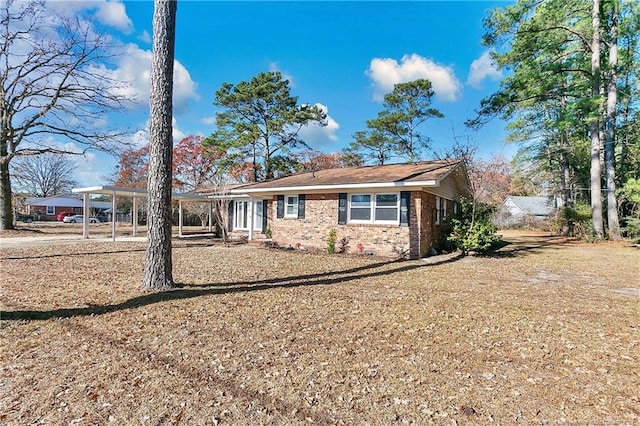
x=545, y=331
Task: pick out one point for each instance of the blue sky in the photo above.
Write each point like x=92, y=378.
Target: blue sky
x=342, y=55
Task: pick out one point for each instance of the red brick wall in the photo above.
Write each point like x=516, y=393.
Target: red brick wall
x=321, y=215
x=434, y=235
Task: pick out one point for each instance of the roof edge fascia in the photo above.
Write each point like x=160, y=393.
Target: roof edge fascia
x=307, y=188
x=108, y=188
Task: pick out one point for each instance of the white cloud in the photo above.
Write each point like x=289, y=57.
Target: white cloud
x=178, y=134
x=316, y=135
x=108, y=12
x=134, y=67
x=141, y=137
x=89, y=171
x=387, y=72
x=481, y=68
x=273, y=66
x=145, y=37
x=209, y=120
x=113, y=13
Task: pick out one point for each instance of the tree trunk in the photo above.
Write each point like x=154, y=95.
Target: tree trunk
x=6, y=203
x=596, y=169
x=610, y=129
x=267, y=161
x=565, y=179
x=565, y=172
x=158, y=266
x=254, y=165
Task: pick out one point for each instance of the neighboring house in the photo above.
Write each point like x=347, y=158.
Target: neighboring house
x=522, y=209
x=48, y=208
x=382, y=210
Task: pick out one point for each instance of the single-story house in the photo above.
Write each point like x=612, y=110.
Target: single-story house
x=385, y=210
x=48, y=208
x=520, y=209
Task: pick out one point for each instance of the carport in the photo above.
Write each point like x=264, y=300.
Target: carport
x=135, y=195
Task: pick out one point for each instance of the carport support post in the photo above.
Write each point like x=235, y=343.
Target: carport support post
x=85, y=212
x=113, y=216
x=210, y=216
x=180, y=218
x=135, y=216
x=250, y=218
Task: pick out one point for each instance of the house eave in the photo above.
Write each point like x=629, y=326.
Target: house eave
x=338, y=188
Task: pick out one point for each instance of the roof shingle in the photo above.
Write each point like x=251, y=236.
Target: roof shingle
x=405, y=173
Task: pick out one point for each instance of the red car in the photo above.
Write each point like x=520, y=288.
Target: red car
x=64, y=214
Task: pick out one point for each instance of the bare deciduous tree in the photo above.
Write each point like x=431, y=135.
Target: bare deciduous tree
x=158, y=273
x=44, y=175
x=221, y=204
x=53, y=86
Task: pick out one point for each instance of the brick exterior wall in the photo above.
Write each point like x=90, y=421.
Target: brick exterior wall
x=321, y=215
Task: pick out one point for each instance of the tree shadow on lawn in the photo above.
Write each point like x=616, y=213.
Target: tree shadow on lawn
x=93, y=253
x=526, y=245
x=84, y=253
x=185, y=291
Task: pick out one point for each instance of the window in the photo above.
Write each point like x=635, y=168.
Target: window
x=360, y=207
x=444, y=209
x=374, y=208
x=240, y=215
x=291, y=206
x=386, y=208
x=437, y=210
x=51, y=210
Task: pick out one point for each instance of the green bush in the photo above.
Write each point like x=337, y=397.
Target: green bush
x=632, y=228
x=331, y=241
x=472, y=230
x=630, y=195
x=580, y=220
x=480, y=237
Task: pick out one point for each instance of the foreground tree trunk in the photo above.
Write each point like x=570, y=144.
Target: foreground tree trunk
x=610, y=126
x=158, y=266
x=596, y=168
x=6, y=213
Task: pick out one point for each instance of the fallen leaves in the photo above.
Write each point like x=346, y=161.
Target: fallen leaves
x=257, y=336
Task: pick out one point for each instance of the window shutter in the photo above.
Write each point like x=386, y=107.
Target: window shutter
x=265, y=213
x=342, y=208
x=280, y=207
x=405, y=202
x=301, y=198
x=230, y=216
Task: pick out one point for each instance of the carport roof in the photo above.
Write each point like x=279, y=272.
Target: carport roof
x=133, y=192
